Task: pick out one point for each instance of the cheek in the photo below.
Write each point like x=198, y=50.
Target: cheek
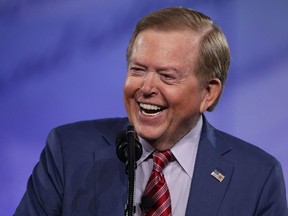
x=175, y=97
x=127, y=88
x=185, y=102
x=126, y=93
x=130, y=85
x=129, y=92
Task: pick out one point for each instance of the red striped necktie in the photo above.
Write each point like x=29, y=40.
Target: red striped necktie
x=157, y=188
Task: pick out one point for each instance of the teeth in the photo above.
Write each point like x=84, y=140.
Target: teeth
x=149, y=114
x=149, y=107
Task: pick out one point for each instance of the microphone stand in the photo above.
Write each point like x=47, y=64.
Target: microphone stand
x=130, y=208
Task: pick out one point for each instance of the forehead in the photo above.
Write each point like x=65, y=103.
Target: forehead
x=170, y=46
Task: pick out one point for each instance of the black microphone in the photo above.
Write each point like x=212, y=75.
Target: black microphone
x=129, y=150
x=122, y=144
x=146, y=203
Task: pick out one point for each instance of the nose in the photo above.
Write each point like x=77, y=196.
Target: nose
x=149, y=85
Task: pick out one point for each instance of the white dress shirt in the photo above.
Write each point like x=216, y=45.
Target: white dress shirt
x=178, y=173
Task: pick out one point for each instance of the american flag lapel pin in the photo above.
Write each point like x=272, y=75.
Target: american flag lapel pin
x=217, y=175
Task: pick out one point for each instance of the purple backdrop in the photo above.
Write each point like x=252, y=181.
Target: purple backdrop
x=64, y=61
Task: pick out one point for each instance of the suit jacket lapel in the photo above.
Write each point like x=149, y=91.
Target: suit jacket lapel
x=110, y=177
x=207, y=193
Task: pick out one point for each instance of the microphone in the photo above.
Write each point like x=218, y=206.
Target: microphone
x=122, y=140
x=129, y=150
x=146, y=203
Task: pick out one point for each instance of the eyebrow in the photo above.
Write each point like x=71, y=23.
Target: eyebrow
x=158, y=68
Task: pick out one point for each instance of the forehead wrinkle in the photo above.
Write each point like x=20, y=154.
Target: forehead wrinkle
x=145, y=43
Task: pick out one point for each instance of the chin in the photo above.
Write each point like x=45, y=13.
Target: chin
x=149, y=134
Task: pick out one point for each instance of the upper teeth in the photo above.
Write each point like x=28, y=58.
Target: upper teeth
x=149, y=106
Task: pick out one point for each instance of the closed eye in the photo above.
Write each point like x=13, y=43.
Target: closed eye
x=137, y=70
x=168, y=78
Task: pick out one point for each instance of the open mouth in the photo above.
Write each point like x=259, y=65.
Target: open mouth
x=150, y=110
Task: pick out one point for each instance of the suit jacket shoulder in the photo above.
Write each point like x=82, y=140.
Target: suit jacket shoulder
x=78, y=172
x=242, y=150
x=234, y=177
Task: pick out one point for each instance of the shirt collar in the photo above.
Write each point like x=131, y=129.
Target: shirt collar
x=147, y=150
x=184, y=151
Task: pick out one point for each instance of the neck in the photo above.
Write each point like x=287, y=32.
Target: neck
x=167, y=143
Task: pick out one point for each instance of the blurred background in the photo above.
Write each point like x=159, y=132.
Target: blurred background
x=64, y=61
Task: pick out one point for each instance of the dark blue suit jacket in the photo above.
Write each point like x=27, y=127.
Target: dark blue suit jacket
x=80, y=174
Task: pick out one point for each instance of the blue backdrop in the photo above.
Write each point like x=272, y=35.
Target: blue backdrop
x=64, y=61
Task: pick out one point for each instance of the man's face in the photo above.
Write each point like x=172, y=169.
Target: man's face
x=162, y=96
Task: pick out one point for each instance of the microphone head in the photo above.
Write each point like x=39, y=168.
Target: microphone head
x=146, y=203
x=122, y=145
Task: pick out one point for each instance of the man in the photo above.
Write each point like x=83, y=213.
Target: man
x=178, y=61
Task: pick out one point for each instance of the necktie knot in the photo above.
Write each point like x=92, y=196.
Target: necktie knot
x=161, y=159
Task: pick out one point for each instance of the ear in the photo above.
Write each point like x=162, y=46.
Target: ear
x=211, y=93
